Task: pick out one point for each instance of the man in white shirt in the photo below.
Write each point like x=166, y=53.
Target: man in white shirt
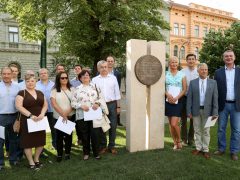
x=202, y=102
x=111, y=70
x=191, y=73
x=108, y=85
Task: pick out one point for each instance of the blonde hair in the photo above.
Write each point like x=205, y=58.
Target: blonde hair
x=172, y=58
x=29, y=76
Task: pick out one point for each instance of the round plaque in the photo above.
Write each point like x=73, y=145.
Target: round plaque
x=148, y=69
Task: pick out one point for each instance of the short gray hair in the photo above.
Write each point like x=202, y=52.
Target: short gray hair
x=101, y=62
x=201, y=64
x=42, y=69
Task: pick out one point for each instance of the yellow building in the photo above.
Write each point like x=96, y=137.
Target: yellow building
x=189, y=25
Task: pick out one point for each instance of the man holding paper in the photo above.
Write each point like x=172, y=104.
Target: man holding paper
x=8, y=114
x=202, y=102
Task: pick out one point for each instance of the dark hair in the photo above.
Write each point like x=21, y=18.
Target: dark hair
x=110, y=56
x=57, y=85
x=83, y=72
x=191, y=55
x=76, y=65
x=59, y=65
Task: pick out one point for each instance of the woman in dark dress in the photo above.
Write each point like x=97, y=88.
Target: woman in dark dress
x=31, y=104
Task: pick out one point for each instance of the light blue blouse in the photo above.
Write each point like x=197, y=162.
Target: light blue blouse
x=175, y=80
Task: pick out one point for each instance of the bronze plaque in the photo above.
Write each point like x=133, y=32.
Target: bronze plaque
x=148, y=69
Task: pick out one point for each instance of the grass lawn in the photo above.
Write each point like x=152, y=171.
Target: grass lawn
x=155, y=164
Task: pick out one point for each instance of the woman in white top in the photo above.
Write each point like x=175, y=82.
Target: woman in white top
x=61, y=96
x=87, y=96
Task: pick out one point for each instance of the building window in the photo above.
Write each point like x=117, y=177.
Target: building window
x=13, y=36
x=183, y=30
x=175, y=29
x=196, y=52
x=182, y=52
x=196, y=31
x=175, y=51
x=205, y=31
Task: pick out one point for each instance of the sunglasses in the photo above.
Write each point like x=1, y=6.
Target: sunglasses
x=64, y=78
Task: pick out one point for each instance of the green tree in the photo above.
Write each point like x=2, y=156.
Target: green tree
x=215, y=43
x=89, y=29
x=96, y=28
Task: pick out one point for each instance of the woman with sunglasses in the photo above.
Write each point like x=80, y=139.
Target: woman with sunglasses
x=61, y=96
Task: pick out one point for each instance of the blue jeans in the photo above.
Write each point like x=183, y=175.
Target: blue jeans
x=112, y=108
x=229, y=109
x=7, y=122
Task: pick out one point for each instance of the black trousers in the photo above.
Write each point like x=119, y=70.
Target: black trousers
x=186, y=135
x=60, y=137
x=90, y=135
x=52, y=123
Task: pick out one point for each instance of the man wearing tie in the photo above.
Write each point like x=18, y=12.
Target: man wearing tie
x=228, y=83
x=202, y=102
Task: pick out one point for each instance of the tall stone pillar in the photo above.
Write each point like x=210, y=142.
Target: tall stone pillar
x=145, y=103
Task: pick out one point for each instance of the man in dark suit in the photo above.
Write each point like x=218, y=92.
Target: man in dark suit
x=228, y=82
x=202, y=102
x=111, y=62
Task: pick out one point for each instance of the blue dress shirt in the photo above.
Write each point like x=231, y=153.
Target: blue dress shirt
x=7, y=98
x=46, y=90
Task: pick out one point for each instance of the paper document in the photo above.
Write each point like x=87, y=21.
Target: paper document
x=174, y=91
x=92, y=114
x=210, y=122
x=2, y=132
x=41, y=125
x=64, y=126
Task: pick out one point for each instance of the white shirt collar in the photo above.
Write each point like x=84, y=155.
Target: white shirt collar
x=226, y=68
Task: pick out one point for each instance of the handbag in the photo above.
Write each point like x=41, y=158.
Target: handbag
x=16, y=125
x=104, y=123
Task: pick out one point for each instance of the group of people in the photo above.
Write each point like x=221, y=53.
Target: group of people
x=199, y=98
x=34, y=99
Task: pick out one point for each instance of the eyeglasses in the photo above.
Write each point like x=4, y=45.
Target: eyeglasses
x=64, y=78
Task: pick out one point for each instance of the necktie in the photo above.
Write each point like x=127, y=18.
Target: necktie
x=202, y=87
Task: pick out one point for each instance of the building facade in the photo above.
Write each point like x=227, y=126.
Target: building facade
x=15, y=50
x=190, y=24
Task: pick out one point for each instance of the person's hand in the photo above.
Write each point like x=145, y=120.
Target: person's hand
x=95, y=107
x=118, y=110
x=40, y=117
x=34, y=118
x=190, y=116
x=85, y=108
x=214, y=117
x=170, y=99
x=174, y=100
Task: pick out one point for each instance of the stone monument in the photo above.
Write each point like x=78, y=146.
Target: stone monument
x=145, y=94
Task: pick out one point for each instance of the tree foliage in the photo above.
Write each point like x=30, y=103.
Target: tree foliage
x=90, y=29
x=215, y=43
